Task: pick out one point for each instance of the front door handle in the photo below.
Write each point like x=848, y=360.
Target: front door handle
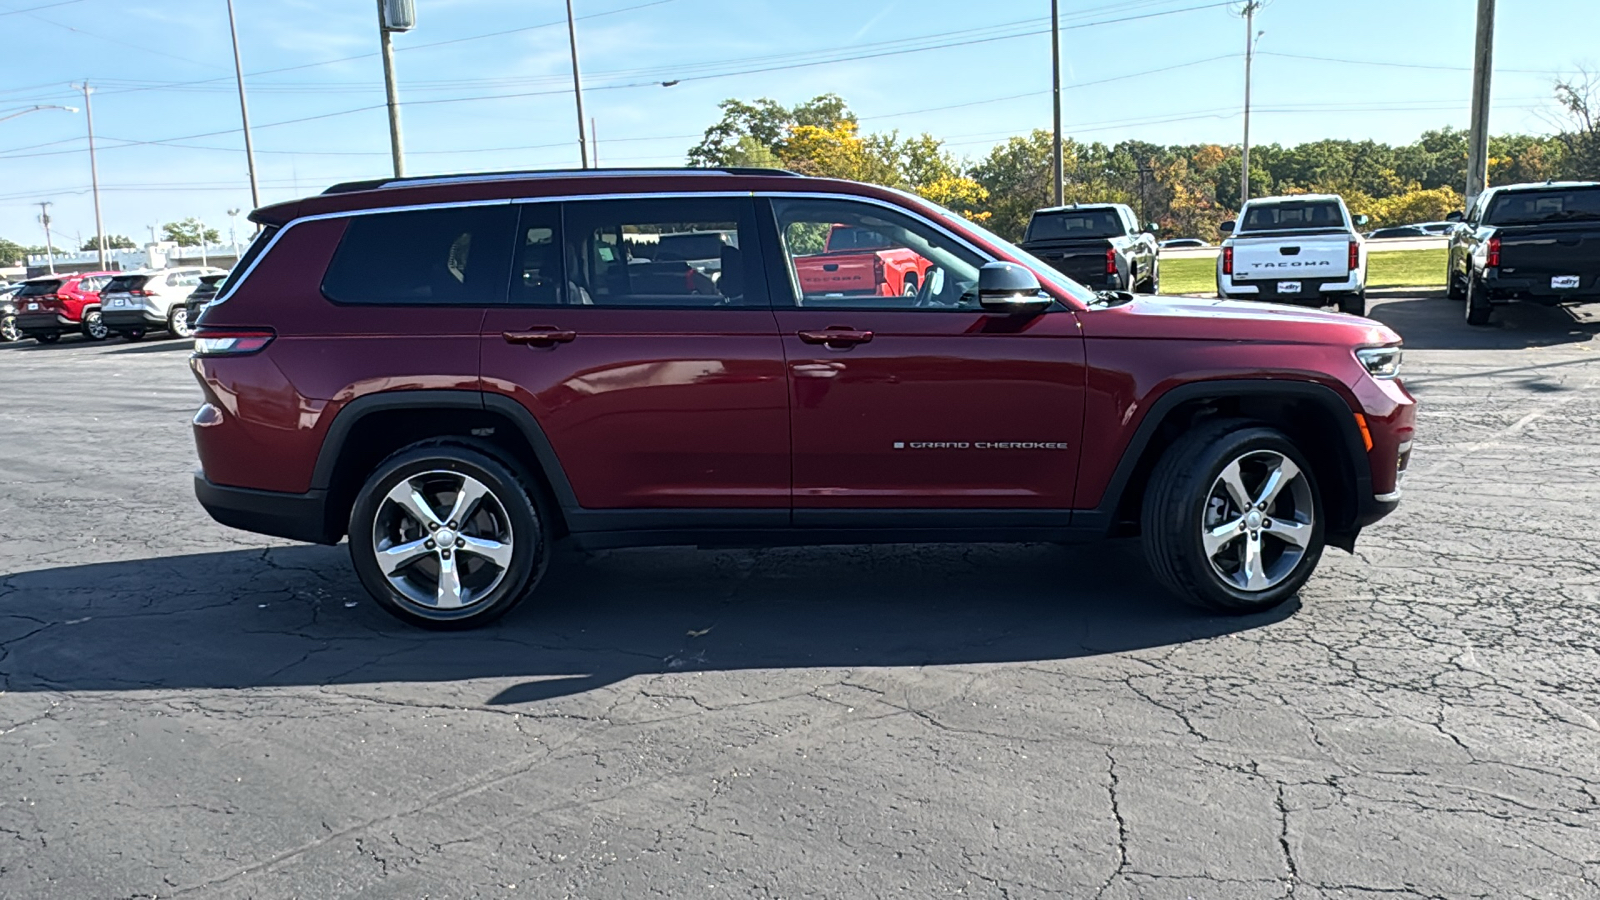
x=836, y=337
x=540, y=336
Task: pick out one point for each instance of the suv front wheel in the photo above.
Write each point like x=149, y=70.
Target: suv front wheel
x=1233, y=518
x=445, y=535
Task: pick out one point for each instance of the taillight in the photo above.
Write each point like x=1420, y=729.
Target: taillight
x=1355, y=256
x=224, y=342
x=1111, y=260
x=1227, y=260
x=877, y=269
x=139, y=293
x=1494, y=252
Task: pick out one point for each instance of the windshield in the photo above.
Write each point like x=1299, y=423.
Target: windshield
x=691, y=246
x=1044, y=270
x=1293, y=215
x=1533, y=207
x=844, y=238
x=1084, y=223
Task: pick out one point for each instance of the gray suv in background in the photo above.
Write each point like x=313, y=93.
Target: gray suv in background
x=135, y=303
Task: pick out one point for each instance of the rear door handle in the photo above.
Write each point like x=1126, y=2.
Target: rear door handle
x=540, y=336
x=836, y=337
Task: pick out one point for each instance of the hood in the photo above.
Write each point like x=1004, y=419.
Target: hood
x=1199, y=318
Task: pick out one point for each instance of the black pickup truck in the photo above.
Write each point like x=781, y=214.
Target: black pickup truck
x=1099, y=245
x=1529, y=242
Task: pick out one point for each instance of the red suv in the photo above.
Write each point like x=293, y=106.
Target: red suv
x=457, y=372
x=54, y=305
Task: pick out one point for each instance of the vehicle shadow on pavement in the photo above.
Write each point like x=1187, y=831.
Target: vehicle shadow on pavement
x=1436, y=323
x=295, y=616
x=158, y=346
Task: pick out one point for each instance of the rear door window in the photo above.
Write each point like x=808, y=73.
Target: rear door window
x=613, y=253
x=428, y=257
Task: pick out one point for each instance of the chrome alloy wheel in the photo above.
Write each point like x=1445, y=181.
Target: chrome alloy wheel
x=95, y=327
x=1258, y=521
x=443, y=541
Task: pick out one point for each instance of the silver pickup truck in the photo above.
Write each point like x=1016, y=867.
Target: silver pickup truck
x=1302, y=249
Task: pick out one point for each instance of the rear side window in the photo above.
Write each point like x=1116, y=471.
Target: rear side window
x=257, y=247
x=38, y=288
x=94, y=285
x=430, y=257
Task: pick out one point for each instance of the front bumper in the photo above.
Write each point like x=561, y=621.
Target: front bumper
x=115, y=319
x=298, y=517
x=45, y=323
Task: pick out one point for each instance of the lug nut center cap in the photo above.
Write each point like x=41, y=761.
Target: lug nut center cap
x=1253, y=521
x=445, y=538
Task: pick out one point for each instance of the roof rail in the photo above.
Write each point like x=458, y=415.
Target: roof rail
x=346, y=187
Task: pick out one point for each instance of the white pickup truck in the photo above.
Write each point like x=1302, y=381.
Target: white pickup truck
x=1302, y=249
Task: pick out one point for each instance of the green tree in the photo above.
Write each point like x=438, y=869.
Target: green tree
x=187, y=233
x=764, y=123
x=113, y=242
x=13, y=254
x=1578, y=96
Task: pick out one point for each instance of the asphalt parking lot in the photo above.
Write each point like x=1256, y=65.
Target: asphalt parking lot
x=191, y=711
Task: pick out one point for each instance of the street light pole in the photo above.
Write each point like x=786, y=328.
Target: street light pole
x=1482, y=69
x=1055, y=88
x=244, y=111
x=396, y=145
x=94, y=174
x=233, y=234
x=577, y=86
x=49, y=248
x=1250, y=37
x=23, y=112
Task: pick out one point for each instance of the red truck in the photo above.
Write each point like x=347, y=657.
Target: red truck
x=857, y=261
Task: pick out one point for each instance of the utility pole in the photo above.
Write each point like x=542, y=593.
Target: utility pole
x=49, y=248
x=244, y=111
x=594, y=142
x=233, y=234
x=577, y=86
x=1055, y=93
x=203, y=260
x=94, y=174
x=402, y=19
x=1482, y=66
x=1250, y=36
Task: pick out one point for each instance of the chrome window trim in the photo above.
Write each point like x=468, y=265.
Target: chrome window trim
x=577, y=198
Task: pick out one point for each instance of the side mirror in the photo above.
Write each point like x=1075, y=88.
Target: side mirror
x=1008, y=288
x=1226, y=227
x=1361, y=220
x=1152, y=227
x=1455, y=216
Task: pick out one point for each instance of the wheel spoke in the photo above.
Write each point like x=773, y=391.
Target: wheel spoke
x=449, y=596
x=401, y=555
x=1254, y=568
x=494, y=551
x=1221, y=536
x=1285, y=472
x=411, y=500
x=472, y=490
x=1235, y=484
x=1290, y=532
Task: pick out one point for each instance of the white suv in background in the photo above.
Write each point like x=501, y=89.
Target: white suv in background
x=135, y=303
x=1302, y=249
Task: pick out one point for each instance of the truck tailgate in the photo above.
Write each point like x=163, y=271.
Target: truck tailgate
x=1287, y=258
x=1552, y=250
x=853, y=273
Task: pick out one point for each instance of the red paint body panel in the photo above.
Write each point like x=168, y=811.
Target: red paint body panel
x=653, y=408
x=865, y=415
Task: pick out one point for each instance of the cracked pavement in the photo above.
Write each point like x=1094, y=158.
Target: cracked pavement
x=189, y=711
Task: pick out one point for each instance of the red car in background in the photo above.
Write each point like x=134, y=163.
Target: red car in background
x=54, y=305
x=857, y=261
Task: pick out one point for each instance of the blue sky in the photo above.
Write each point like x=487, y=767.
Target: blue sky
x=167, y=116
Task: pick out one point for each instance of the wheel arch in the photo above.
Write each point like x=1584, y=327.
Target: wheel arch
x=1319, y=421
x=368, y=429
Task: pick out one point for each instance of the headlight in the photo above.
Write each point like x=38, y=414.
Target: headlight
x=1381, y=362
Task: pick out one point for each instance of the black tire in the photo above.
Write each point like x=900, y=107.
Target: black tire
x=1155, y=277
x=48, y=337
x=93, y=327
x=1477, y=305
x=133, y=334
x=1177, y=502
x=1453, y=288
x=178, y=323
x=8, y=330
x=1353, y=304
x=511, y=488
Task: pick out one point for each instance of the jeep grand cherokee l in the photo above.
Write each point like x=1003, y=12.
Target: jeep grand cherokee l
x=457, y=372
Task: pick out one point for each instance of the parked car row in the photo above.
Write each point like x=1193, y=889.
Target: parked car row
x=1535, y=243
x=100, y=304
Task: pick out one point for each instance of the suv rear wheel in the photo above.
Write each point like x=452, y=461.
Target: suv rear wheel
x=178, y=322
x=445, y=535
x=1233, y=518
x=93, y=327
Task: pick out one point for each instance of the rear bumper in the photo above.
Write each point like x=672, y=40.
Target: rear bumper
x=132, y=318
x=298, y=517
x=1313, y=291
x=41, y=323
x=1537, y=287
